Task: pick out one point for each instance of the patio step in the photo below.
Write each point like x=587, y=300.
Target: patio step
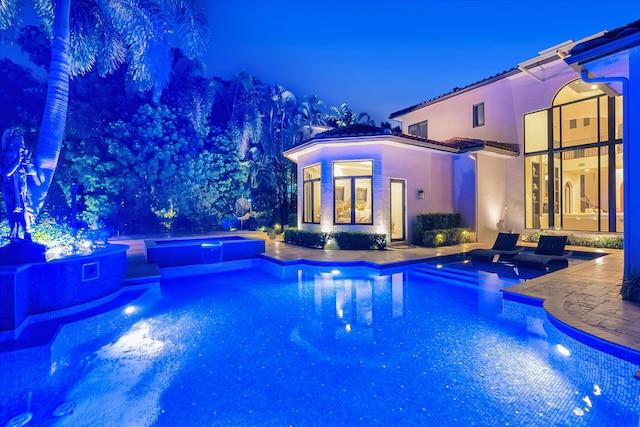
x=470, y=278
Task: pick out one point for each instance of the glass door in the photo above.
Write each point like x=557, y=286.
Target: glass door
x=398, y=223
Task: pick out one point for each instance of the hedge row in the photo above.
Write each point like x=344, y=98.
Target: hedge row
x=344, y=239
x=359, y=240
x=306, y=238
x=613, y=242
x=434, y=222
x=447, y=237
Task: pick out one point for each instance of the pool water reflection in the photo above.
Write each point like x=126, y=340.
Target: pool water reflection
x=317, y=346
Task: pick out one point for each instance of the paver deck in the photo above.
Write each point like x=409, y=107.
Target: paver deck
x=584, y=296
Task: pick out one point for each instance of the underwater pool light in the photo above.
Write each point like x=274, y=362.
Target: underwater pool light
x=130, y=309
x=563, y=350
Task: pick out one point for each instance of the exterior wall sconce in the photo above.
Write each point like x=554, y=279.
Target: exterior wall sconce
x=421, y=194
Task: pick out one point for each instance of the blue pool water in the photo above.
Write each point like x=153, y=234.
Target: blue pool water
x=317, y=346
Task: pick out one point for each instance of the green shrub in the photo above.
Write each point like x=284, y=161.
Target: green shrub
x=613, y=242
x=447, y=237
x=359, y=240
x=435, y=221
x=306, y=238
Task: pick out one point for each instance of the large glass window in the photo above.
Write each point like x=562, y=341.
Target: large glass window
x=582, y=189
x=536, y=131
x=618, y=115
x=352, y=190
x=618, y=190
x=536, y=175
x=578, y=124
x=575, y=178
x=311, y=194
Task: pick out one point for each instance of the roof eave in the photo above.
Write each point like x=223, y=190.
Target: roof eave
x=294, y=152
x=603, y=50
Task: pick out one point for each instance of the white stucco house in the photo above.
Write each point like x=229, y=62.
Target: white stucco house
x=539, y=146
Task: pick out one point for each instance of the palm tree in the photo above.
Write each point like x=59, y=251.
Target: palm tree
x=365, y=119
x=312, y=110
x=104, y=34
x=341, y=116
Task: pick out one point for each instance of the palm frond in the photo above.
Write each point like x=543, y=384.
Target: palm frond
x=85, y=32
x=44, y=10
x=187, y=25
x=9, y=17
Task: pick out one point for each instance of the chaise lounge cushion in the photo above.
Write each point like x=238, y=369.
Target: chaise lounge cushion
x=504, y=246
x=506, y=242
x=549, y=249
x=551, y=245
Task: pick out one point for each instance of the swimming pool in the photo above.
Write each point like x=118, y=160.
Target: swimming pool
x=314, y=346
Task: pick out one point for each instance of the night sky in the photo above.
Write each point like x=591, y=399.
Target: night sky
x=380, y=56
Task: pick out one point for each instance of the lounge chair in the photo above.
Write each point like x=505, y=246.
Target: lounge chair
x=549, y=249
x=503, y=247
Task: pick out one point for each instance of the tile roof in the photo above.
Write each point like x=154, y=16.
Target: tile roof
x=353, y=130
x=469, y=144
x=456, y=91
x=457, y=145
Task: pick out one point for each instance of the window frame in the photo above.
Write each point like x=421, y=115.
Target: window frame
x=352, y=196
x=417, y=127
x=311, y=195
x=478, y=119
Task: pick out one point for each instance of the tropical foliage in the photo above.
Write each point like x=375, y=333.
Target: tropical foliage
x=171, y=159
x=104, y=36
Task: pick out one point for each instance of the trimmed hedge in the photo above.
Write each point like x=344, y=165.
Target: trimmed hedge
x=433, y=222
x=586, y=241
x=447, y=237
x=359, y=240
x=307, y=238
x=344, y=239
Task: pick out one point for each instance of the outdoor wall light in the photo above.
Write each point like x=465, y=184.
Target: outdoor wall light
x=421, y=194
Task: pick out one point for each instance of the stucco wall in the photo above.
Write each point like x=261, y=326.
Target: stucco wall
x=429, y=171
x=492, y=195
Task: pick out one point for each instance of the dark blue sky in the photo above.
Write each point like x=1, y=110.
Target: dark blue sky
x=380, y=56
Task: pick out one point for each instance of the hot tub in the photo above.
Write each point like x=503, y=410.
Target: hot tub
x=174, y=253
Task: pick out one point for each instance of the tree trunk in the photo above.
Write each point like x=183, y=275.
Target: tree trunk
x=55, y=111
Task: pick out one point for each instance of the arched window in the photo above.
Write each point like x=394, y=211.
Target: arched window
x=574, y=142
x=576, y=90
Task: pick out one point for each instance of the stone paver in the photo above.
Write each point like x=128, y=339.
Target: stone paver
x=585, y=296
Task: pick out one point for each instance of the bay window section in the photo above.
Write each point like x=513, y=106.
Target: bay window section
x=352, y=187
x=311, y=194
